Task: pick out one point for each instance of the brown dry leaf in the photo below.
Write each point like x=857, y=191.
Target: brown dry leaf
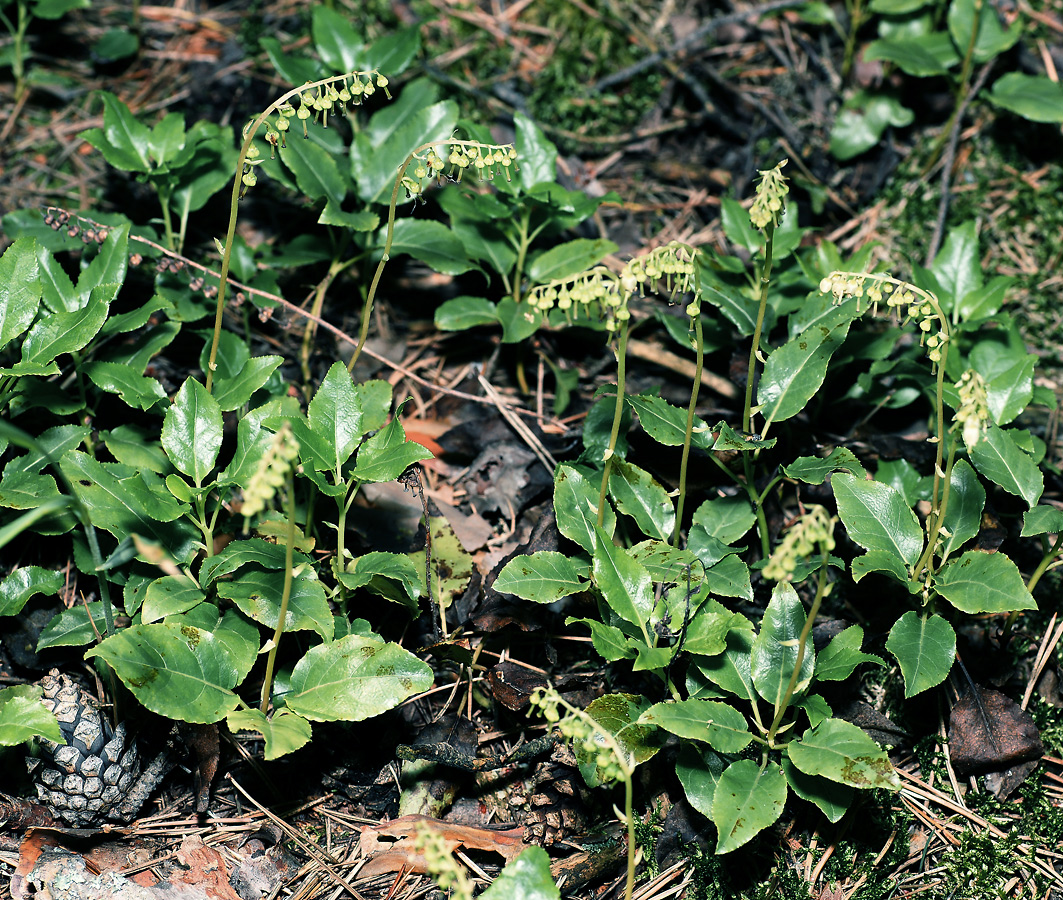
x=399, y=854
x=204, y=867
x=988, y=730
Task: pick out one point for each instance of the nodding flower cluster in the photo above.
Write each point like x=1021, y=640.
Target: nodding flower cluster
x=972, y=416
x=317, y=100
x=911, y=302
x=815, y=529
x=453, y=158
x=590, y=741
x=271, y=472
x=669, y=268
x=770, y=200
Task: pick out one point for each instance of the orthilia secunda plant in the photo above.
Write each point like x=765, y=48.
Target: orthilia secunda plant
x=315, y=100
x=276, y=469
x=600, y=292
x=913, y=304
x=599, y=749
x=436, y=161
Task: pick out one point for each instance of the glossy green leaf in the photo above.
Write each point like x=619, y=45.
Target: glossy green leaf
x=67, y=332
x=26, y=582
x=815, y=469
x=315, y=169
x=991, y=37
x=739, y=230
x=1034, y=97
x=728, y=519
x=662, y=421
x=20, y=289
x=748, y=799
x=23, y=716
x=795, y=371
x=527, y=877
x=517, y=320
x=983, y=582
x=543, y=577
x=568, y=259
x=832, y=798
x=393, y=52
x=353, y=679
x=368, y=570
x=625, y=584
x=376, y=156
x=335, y=414
x=335, y=40
x=536, y=154
x=576, y=507
x=963, y=517
x=912, y=55
x=720, y=725
x=776, y=647
x=862, y=121
x=284, y=733
x=877, y=517
x=1000, y=459
x=192, y=431
x=255, y=551
x=108, y=267
x=639, y=495
x=71, y=628
x=123, y=141
x=882, y=561
x=1042, y=520
x=618, y=715
x=925, y=648
x=729, y=577
x=842, y=655
x=169, y=596
x=731, y=670
x=462, y=313
x=699, y=770
x=1009, y=392
x=609, y=642
x=842, y=752
x=387, y=454
x=54, y=9
x=957, y=267
x=257, y=594
x=433, y=244
x=232, y=393
x=178, y=672
x=136, y=391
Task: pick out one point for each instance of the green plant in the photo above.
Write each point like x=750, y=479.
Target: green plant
x=25, y=11
x=911, y=38
x=753, y=726
x=185, y=166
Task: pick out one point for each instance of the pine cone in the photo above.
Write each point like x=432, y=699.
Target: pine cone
x=92, y=777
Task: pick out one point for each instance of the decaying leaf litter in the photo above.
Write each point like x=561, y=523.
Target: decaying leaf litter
x=487, y=497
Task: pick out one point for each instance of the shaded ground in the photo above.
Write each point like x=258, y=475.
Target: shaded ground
x=726, y=93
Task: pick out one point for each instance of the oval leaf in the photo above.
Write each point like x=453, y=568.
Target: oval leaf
x=925, y=648
x=354, y=678
x=748, y=799
x=877, y=517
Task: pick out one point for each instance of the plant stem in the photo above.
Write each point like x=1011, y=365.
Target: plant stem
x=289, y=557
x=234, y=208
x=784, y=703
x=699, y=347
x=618, y=414
x=762, y=308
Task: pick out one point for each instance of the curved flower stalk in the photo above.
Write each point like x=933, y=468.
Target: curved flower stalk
x=668, y=269
x=317, y=99
x=917, y=305
x=487, y=160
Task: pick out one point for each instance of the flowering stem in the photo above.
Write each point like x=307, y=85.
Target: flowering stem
x=618, y=414
x=234, y=206
x=699, y=347
x=784, y=703
x=289, y=559
x=754, y=350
